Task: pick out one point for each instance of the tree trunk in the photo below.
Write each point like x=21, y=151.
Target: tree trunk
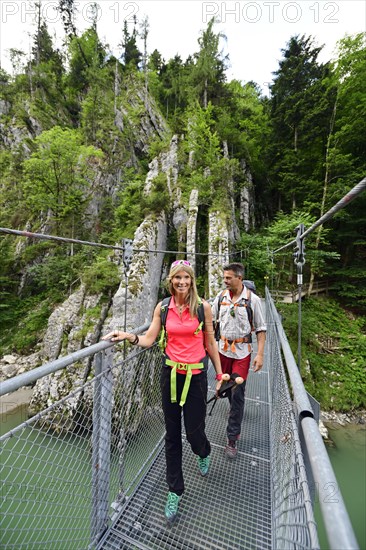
x=205, y=95
x=325, y=190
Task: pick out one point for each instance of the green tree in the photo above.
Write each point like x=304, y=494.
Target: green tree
x=46, y=74
x=346, y=166
x=58, y=179
x=301, y=108
x=177, y=90
x=131, y=54
x=85, y=55
x=208, y=73
x=202, y=138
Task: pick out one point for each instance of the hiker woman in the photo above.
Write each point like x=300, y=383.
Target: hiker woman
x=188, y=337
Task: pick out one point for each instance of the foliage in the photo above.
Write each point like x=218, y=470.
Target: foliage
x=101, y=276
x=202, y=139
x=333, y=347
x=55, y=274
x=85, y=54
x=157, y=199
x=132, y=55
x=21, y=331
x=301, y=109
x=208, y=72
x=57, y=178
x=128, y=215
x=257, y=251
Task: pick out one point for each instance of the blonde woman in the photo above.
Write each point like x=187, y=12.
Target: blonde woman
x=188, y=344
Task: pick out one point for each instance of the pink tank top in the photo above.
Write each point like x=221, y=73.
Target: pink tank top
x=183, y=345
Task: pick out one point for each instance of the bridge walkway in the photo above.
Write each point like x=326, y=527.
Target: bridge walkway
x=230, y=509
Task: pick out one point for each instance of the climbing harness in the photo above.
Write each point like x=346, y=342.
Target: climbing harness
x=243, y=302
x=173, y=379
x=231, y=343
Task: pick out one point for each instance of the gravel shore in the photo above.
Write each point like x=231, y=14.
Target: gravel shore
x=11, y=401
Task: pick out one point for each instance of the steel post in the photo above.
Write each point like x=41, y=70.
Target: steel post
x=102, y=415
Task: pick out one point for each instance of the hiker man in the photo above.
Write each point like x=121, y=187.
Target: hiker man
x=238, y=312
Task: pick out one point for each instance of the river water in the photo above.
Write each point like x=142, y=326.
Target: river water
x=347, y=455
x=348, y=458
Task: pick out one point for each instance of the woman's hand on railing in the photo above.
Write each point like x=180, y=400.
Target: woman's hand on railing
x=119, y=336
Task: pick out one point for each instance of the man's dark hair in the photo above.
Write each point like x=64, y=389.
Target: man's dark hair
x=237, y=268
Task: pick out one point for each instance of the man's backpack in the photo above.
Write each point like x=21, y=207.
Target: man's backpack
x=246, y=302
x=164, y=314
x=250, y=285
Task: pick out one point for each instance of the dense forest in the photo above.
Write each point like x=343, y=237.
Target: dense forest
x=75, y=149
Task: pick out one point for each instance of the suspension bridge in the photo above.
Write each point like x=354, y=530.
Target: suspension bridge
x=88, y=471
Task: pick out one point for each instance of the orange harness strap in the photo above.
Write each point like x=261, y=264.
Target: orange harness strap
x=232, y=343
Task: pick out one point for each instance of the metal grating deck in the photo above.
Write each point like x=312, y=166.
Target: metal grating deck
x=230, y=509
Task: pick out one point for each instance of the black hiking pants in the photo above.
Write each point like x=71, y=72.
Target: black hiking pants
x=194, y=415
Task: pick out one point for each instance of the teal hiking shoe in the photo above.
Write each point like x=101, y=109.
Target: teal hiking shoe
x=203, y=465
x=171, y=507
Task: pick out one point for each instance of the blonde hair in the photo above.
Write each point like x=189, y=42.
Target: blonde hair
x=192, y=299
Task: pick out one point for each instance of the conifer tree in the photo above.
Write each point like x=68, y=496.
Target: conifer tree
x=300, y=114
x=208, y=73
x=131, y=55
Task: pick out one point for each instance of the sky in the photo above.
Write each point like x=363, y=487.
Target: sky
x=256, y=31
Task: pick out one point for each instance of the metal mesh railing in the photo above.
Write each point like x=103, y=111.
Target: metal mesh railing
x=294, y=526
x=61, y=469
x=89, y=471
x=299, y=465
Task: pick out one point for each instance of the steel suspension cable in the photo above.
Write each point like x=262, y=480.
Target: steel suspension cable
x=299, y=255
x=100, y=245
x=350, y=196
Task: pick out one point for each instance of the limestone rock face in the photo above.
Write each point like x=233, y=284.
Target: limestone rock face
x=143, y=278
x=151, y=124
x=192, y=227
x=5, y=107
x=12, y=137
x=247, y=199
x=167, y=164
x=14, y=364
x=60, y=323
x=70, y=328
x=218, y=251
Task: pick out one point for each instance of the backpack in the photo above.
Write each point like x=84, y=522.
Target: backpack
x=246, y=302
x=250, y=285
x=164, y=314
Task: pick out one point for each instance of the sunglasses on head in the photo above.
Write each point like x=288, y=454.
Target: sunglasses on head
x=181, y=262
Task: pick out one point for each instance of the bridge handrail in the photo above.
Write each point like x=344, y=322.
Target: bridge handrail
x=338, y=526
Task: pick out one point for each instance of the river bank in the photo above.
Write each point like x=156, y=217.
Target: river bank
x=11, y=401
x=329, y=419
